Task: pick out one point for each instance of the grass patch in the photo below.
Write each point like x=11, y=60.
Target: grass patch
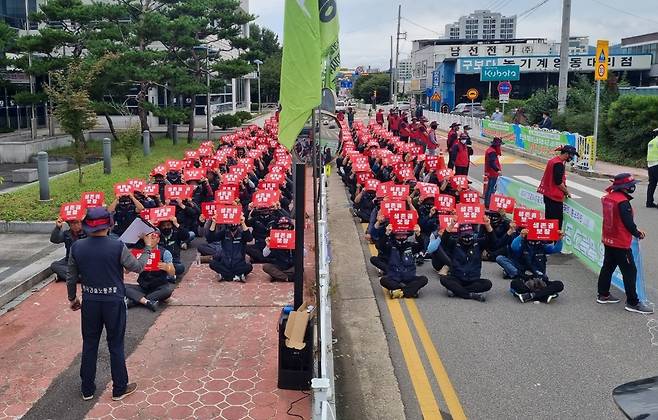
x=24, y=204
x=94, y=150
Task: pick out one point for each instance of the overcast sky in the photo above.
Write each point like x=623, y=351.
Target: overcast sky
x=366, y=25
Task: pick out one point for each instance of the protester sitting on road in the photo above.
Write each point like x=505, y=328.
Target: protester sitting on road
x=364, y=202
x=504, y=231
x=174, y=177
x=147, y=202
x=203, y=192
x=526, y=266
x=67, y=237
x=261, y=221
x=160, y=179
x=172, y=236
x=187, y=215
x=153, y=287
x=282, y=267
x=210, y=232
x=400, y=249
x=125, y=210
x=465, y=253
x=230, y=262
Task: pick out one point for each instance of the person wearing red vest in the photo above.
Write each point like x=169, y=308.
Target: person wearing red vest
x=460, y=155
x=553, y=185
x=379, y=117
x=403, y=129
x=617, y=235
x=453, y=136
x=394, y=124
x=492, y=168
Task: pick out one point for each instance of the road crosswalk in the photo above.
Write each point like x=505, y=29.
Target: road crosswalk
x=479, y=186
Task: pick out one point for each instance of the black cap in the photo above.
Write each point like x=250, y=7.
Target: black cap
x=97, y=218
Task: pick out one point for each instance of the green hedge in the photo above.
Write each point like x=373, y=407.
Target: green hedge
x=630, y=122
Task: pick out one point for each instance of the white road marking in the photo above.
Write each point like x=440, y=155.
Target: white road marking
x=532, y=181
x=585, y=189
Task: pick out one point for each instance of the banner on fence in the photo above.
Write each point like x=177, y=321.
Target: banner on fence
x=503, y=130
x=582, y=231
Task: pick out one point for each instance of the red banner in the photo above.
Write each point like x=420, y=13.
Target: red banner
x=444, y=221
x=399, y=192
x=469, y=197
x=444, y=202
x=175, y=192
x=208, y=210
x=174, y=165
x=191, y=155
x=523, y=216
x=226, y=195
x=194, y=174
x=362, y=177
x=159, y=214
x=123, y=189
x=361, y=167
x=72, y=211
x=263, y=199
x=159, y=170
x=92, y=199
x=470, y=213
x=460, y=181
x=543, y=230
x=151, y=190
x=268, y=186
x=153, y=260
x=371, y=184
x=137, y=184
x=499, y=201
x=403, y=220
x=282, y=239
x=228, y=215
x=389, y=205
x=209, y=163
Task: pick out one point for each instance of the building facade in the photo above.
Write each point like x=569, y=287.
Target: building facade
x=644, y=44
x=482, y=24
x=404, y=69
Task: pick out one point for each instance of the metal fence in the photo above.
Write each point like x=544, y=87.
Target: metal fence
x=533, y=140
x=324, y=402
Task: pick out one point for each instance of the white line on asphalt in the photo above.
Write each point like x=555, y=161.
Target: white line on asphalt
x=477, y=185
x=532, y=181
x=585, y=189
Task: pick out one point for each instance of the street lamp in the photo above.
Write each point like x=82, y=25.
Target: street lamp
x=258, y=63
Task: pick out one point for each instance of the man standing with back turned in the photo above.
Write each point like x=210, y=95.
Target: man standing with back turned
x=652, y=164
x=553, y=184
x=100, y=262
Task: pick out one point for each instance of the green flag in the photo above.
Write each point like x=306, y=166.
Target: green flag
x=329, y=42
x=301, y=70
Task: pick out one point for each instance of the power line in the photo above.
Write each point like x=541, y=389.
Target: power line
x=625, y=11
x=421, y=26
x=531, y=10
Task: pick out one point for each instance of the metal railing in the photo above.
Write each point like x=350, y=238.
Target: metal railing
x=518, y=137
x=324, y=402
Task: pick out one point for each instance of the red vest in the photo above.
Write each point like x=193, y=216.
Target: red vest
x=379, y=118
x=394, y=123
x=404, y=129
x=490, y=172
x=547, y=186
x=614, y=233
x=462, y=155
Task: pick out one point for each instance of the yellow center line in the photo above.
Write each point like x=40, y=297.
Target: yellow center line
x=448, y=391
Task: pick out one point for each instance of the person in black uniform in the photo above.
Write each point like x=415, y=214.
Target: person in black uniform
x=67, y=237
x=230, y=262
x=100, y=262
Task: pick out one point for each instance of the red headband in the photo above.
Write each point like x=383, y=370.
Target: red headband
x=623, y=181
x=97, y=222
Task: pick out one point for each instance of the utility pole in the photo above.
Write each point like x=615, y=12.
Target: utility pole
x=564, y=58
x=397, y=53
x=390, y=66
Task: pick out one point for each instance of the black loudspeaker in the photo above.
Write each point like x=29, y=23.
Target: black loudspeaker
x=295, y=366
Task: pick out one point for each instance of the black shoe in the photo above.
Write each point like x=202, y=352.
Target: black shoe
x=524, y=297
x=651, y=205
x=603, y=299
x=480, y=297
x=130, y=303
x=152, y=305
x=450, y=293
x=132, y=387
x=640, y=308
x=87, y=397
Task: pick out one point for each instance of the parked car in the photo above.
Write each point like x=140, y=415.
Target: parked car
x=404, y=105
x=341, y=106
x=465, y=109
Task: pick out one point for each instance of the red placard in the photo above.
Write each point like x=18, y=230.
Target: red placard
x=371, y=184
x=282, y=239
x=470, y=213
x=159, y=170
x=230, y=179
x=388, y=206
x=469, y=197
x=145, y=214
x=228, y=215
x=543, y=230
x=153, y=260
x=72, y=211
x=362, y=177
x=204, y=151
x=444, y=221
x=174, y=192
x=499, y=201
x=194, y=174
x=398, y=192
x=263, y=199
x=444, y=202
x=209, y=163
x=382, y=188
x=403, y=220
x=159, y=214
x=277, y=169
x=137, y=184
x=226, y=194
x=444, y=173
x=174, y=165
x=427, y=190
x=151, y=190
x=92, y=199
x=361, y=167
x=404, y=173
x=208, y=210
x=460, y=181
x=270, y=186
x=191, y=155
x=522, y=216
x=123, y=189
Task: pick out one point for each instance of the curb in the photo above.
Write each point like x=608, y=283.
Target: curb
x=11, y=297
x=18, y=226
x=20, y=187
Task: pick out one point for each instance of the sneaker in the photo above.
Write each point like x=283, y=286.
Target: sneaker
x=549, y=298
x=152, y=305
x=132, y=387
x=242, y=278
x=236, y=278
x=480, y=297
x=87, y=397
x=396, y=294
x=450, y=293
x=640, y=308
x=651, y=205
x=523, y=297
x=603, y=299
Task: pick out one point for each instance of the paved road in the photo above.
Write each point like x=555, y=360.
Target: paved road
x=503, y=359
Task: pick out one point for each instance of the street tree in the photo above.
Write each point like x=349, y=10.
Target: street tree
x=365, y=86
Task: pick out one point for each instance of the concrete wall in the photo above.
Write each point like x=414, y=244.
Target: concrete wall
x=20, y=151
